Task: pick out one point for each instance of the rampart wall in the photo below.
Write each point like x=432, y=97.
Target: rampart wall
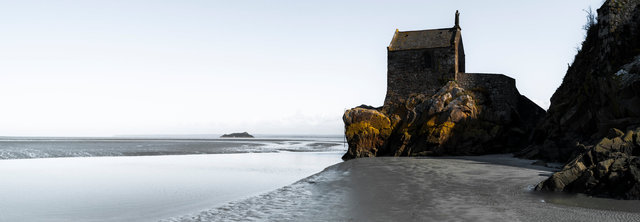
x=500, y=89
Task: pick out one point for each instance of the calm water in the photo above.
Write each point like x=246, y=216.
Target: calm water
x=108, y=179
x=24, y=148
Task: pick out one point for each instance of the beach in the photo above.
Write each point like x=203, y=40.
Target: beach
x=482, y=188
x=286, y=179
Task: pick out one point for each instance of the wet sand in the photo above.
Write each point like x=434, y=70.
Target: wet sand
x=485, y=188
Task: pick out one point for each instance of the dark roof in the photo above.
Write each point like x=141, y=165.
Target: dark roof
x=423, y=39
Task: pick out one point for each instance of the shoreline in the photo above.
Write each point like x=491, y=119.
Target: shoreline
x=72, y=147
x=476, y=188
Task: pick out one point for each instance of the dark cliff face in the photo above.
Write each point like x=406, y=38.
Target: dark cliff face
x=601, y=89
x=593, y=122
x=453, y=121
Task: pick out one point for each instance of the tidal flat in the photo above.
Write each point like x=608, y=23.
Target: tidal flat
x=481, y=188
x=144, y=188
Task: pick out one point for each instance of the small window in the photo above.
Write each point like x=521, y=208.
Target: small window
x=427, y=61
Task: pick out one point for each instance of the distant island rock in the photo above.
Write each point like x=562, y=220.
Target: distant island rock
x=237, y=135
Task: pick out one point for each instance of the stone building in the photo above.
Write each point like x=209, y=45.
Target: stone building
x=421, y=62
x=433, y=107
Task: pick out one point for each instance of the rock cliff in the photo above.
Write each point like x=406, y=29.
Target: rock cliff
x=599, y=95
x=601, y=89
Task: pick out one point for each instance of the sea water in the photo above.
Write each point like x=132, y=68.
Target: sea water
x=43, y=147
x=84, y=183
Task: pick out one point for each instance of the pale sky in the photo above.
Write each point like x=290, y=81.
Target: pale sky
x=102, y=68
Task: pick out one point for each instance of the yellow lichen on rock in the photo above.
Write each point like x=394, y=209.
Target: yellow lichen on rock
x=365, y=131
x=360, y=120
x=361, y=128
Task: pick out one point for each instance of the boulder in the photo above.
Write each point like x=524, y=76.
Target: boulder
x=366, y=130
x=608, y=169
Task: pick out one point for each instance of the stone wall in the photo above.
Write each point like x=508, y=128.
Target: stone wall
x=418, y=71
x=461, y=57
x=500, y=89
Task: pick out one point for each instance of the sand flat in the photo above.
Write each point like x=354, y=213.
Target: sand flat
x=485, y=188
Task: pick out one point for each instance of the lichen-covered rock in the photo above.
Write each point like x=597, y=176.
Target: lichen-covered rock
x=447, y=107
x=453, y=121
x=609, y=169
x=434, y=128
x=366, y=130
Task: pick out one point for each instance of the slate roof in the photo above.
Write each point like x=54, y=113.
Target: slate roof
x=423, y=39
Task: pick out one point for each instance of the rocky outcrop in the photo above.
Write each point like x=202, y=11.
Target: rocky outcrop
x=599, y=95
x=367, y=129
x=611, y=168
x=453, y=121
x=601, y=89
x=237, y=135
